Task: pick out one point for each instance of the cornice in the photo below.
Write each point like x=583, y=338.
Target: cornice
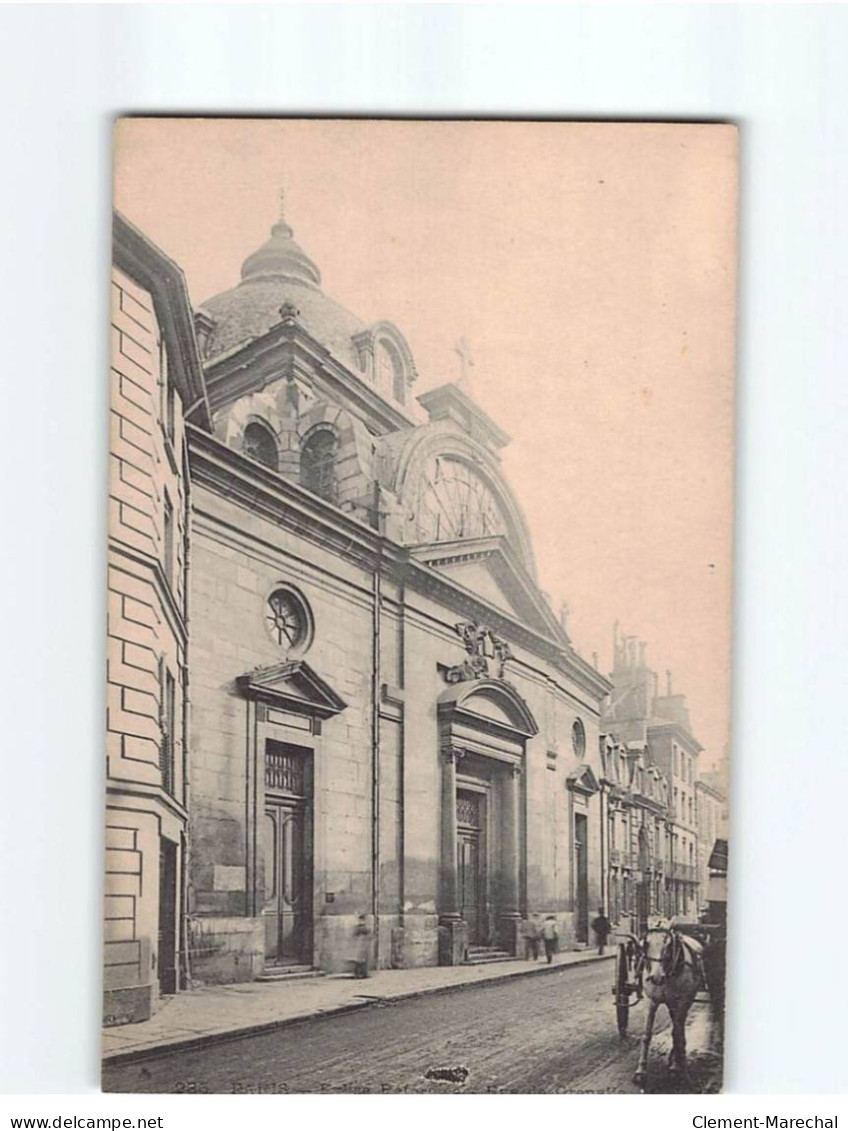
x=126, y=788
x=143, y=261
x=239, y=372
x=167, y=599
x=215, y=466
x=711, y=789
x=669, y=726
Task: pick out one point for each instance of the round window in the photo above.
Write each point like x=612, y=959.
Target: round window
x=289, y=621
x=578, y=738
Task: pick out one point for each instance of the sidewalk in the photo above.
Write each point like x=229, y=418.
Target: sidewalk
x=203, y=1016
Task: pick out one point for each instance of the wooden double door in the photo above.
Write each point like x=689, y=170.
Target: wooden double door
x=287, y=911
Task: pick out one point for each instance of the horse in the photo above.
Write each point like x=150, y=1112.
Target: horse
x=671, y=968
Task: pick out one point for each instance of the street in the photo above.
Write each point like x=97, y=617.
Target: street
x=548, y=1034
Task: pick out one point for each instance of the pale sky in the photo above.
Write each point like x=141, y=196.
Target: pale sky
x=592, y=270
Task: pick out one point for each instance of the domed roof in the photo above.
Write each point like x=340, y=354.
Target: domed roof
x=277, y=272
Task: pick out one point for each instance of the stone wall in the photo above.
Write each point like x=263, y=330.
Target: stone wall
x=146, y=638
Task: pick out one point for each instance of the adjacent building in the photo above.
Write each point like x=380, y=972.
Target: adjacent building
x=654, y=734
x=156, y=381
x=711, y=808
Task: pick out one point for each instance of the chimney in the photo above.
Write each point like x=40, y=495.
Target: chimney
x=668, y=682
x=642, y=647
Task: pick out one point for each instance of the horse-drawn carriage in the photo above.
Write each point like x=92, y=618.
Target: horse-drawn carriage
x=669, y=964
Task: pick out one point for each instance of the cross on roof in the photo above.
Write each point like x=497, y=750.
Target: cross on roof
x=465, y=360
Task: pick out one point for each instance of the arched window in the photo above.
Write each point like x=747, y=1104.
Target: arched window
x=260, y=445
x=578, y=738
x=390, y=372
x=318, y=464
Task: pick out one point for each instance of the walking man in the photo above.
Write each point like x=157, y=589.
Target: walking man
x=602, y=927
x=549, y=937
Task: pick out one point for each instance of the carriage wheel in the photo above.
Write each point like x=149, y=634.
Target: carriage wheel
x=622, y=995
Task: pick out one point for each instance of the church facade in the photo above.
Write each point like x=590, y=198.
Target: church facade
x=383, y=717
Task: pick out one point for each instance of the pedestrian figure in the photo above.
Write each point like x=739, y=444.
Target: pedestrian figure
x=550, y=934
x=531, y=938
x=602, y=927
x=361, y=948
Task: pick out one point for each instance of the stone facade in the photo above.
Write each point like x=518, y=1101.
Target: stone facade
x=147, y=638
x=652, y=789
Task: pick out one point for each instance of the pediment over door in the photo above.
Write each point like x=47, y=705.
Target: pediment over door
x=491, y=703
x=292, y=686
x=583, y=780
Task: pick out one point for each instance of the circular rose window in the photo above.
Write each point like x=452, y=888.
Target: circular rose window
x=289, y=621
x=578, y=738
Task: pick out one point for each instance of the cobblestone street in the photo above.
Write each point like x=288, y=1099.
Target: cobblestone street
x=530, y=1035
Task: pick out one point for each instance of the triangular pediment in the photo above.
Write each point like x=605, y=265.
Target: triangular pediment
x=583, y=780
x=487, y=568
x=295, y=686
x=479, y=578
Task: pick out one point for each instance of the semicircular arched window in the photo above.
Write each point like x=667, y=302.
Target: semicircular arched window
x=318, y=464
x=259, y=444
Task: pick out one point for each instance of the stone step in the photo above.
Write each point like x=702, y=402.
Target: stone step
x=481, y=955
x=288, y=973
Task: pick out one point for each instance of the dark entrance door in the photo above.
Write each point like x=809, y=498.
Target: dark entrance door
x=469, y=859
x=287, y=912
x=167, y=949
x=581, y=872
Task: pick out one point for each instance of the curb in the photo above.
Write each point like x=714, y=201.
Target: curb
x=190, y=1044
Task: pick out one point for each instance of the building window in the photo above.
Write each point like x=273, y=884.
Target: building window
x=168, y=541
x=578, y=738
x=259, y=444
x=318, y=464
x=289, y=620
x=674, y=756
x=168, y=713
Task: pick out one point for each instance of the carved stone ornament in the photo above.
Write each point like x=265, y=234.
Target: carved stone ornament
x=452, y=754
x=475, y=668
x=482, y=646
